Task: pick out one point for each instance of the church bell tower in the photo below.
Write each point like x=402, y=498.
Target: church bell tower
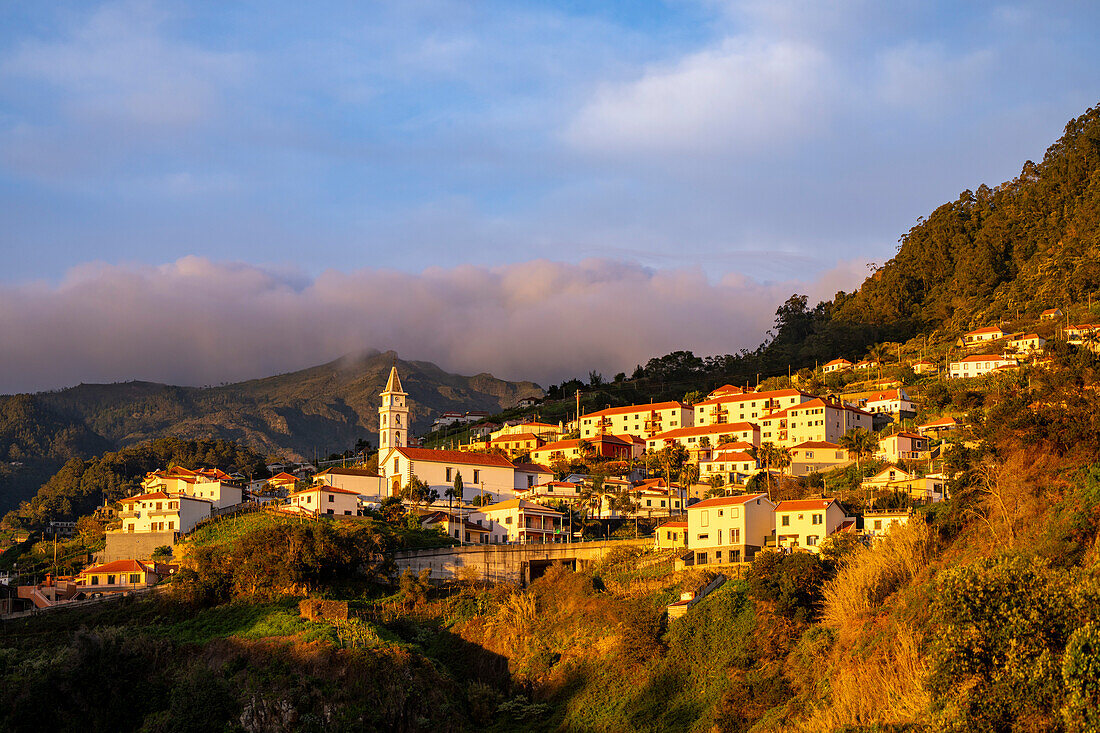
x=393, y=416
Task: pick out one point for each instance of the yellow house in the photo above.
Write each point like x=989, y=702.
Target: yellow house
x=803, y=523
x=672, y=535
x=817, y=455
x=521, y=522
x=643, y=420
x=458, y=527
x=878, y=524
x=117, y=576
x=815, y=420
x=734, y=467
x=729, y=529
x=929, y=488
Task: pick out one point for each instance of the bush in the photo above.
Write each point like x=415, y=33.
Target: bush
x=1081, y=676
x=792, y=583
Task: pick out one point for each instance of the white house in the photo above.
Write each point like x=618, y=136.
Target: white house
x=836, y=365
x=929, y=488
x=803, y=523
x=878, y=524
x=981, y=336
x=490, y=475
x=729, y=529
x=320, y=500
x=1027, y=343
x=210, y=484
x=979, y=365
x=161, y=512
x=714, y=434
x=367, y=484
x=815, y=420
x=1051, y=314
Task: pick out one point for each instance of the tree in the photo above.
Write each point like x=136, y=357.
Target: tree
x=860, y=443
x=419, y=492
x=162, y=553
x=456, y=490
x=765, y=455
x=692, y=397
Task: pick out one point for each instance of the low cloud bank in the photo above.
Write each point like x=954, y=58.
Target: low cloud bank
x=195, y=321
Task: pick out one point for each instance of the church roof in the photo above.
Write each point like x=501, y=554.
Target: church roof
x=393, y=384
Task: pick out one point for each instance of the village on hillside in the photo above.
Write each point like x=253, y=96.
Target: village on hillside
x=715, y=479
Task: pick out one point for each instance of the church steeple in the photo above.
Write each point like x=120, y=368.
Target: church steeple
x=393, y=415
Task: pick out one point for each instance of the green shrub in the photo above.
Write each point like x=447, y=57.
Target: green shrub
x=1081, y=676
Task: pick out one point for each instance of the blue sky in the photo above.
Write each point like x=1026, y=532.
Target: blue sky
x=768, y=144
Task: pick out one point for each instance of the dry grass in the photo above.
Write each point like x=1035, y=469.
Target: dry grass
x=889, y=687
x=872, y=575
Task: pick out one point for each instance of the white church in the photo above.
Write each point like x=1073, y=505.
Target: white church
x=493, y=476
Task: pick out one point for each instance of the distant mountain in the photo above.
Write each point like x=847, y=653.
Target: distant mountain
x=318, y=410
x=321, y=409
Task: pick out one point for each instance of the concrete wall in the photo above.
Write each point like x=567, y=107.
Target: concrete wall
x=133, y=545
x=507, y=563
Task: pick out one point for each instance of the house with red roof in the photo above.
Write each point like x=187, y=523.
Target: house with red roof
x=938, y=427
x=458, y=527
x=515, y=444
x=804, y=523
x=978, y=365
x=117, y=577
x=322, y=500
x=210, y=484
x=521, y=522
x=642, y=420
x=982, y=336
x=671, y=535
x=903, y=446
x=748, y=406
x=729, y=529
x=816, y=420
x=693, y=438
x=488, y=474
x=836, y=365
x=817, y=455
x=732, y=466
x=158, y=511
x=601, y=445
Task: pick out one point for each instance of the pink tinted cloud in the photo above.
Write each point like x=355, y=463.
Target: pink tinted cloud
x=196, y=321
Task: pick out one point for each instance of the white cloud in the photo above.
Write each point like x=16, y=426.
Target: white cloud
x=195, y=321
x=743, y=95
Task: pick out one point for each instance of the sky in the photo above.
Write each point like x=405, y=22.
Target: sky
x=205, y=192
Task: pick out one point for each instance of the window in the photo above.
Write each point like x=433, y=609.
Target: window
x=786, y=520
x=171, y=525
x=95, y=580
x=449, y=477
x=703, y=537
x=735, y=536
x=735, y=512
x=395, y=468
x=878, y=524
x=649, y=502
x=331, y=498
x=704, y=518
x=477, y=476
x=110, y=580
x=331, y=511
x=507, y=520
x=816, y=519
x=135, y=578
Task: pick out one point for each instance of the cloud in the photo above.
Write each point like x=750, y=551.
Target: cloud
x=196, y=321
x=742, y=95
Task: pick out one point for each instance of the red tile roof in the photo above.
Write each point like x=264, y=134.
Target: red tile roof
x=720, y=429
x=837, y=361
x=750, y=396
x=817, y=444
x=325, y=489
x=145, y=497
x=514, y=437
x=726, y=501
x=985, y=330
x=636, y=408
x=941, y=423
x=795, y=505
x=118, y=566
x=454, y=456
x=532, y=468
